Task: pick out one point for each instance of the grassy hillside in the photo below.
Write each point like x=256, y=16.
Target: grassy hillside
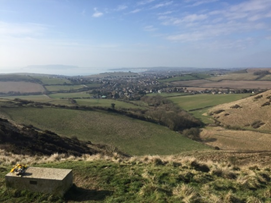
x=107, y=103
x=200, y=103
x=40, y=97
x=131, y=136
x=249, y=74
x=235, y=76
x=52, y=88
x=69, y=95
x=17, y=77
x=27, y=140
x=149, y=179
x=236, y=140
x=251, y=113
x=50, y=80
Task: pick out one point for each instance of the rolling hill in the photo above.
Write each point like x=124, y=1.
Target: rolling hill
x=27, y=140
x=251, y=113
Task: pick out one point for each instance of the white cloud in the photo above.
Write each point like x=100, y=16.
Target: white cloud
x=214, y=31
x=186, y=37
x=194, y=17
x=198, y=3
x=165, y=13
x=251, y=6
x=235, y=21
x=145, y=2
x=136, y=11
x=255, y=17
x=162, y=5
x=96, y=13
x=121, y=7
x=246, y=10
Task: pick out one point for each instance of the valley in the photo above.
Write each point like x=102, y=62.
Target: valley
x=148, y=124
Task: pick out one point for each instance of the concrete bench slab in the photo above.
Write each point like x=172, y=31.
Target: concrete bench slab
x=45, y=180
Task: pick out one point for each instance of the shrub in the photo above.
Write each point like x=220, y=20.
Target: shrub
x=258, y=97
x=192, y=133
x=266, y=104
x=218, y=111
x=257, y=124
x=236, y=106
x=200, y=167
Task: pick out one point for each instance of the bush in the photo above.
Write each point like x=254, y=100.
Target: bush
x=257, y=124
x=192, y=133
x=218, y=111
x=200, y=167
x=236, y=106
x=266, y=104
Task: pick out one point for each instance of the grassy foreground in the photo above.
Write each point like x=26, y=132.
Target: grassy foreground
x=150, y=179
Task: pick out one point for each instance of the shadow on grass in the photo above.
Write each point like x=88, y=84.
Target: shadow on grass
x=82, y=194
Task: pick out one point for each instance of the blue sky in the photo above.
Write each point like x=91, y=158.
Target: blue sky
x=99, y=34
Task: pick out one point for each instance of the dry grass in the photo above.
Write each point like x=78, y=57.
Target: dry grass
x=186, y=193
x=161, y=177
x=232, y=84
x=238, y=140
x=251, y=110
x=235, y=76
x=7, y=158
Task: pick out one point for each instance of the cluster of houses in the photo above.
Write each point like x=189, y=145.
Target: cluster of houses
x=133, y=87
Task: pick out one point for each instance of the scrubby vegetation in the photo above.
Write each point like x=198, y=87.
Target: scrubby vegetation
x=149, y=179
x=169, y=114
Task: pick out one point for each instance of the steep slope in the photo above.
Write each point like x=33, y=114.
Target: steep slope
x=249, y=113
x=21, y=139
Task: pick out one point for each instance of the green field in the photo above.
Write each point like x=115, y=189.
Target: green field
x=93, y=85
x=129, y=135
x=200, y=103
x=40, y=98
x=16, y=77
x=164, y=94
x=186, y=77
x=266, y=78
x=235, y=76
x=49, y=80
x=55, y=88
x=69, y=95
x=105, y=103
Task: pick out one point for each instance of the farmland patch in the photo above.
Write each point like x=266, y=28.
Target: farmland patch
x=20, y=87
x=226, y=84
x=55, y=88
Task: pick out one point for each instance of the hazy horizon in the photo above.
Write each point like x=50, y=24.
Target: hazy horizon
x=66, y=70
x=123, y=33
